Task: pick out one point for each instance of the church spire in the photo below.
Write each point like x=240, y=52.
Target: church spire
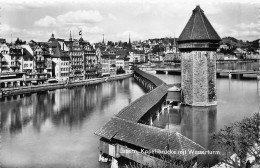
x=52, y=35
x=103, y=39
x=129, y=39
x=174, y=40
x=129, y=43
x=70, y=39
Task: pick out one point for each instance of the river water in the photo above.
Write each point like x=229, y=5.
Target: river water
x=56, y=128
x=236, y=99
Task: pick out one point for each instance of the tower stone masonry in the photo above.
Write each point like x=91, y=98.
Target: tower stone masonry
x=198, y=43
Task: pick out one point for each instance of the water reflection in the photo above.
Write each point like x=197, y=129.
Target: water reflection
x=196, y=123
x=235, y=65
x=238, y=65
x=63, y=106
x=56, y=128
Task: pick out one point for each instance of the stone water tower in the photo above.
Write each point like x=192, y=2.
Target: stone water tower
x=198, y=43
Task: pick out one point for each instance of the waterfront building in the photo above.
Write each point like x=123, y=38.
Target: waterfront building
x=122, y=59
x=90, y=62
x=33, y=64
x=38, y=54
x=198, y=43
x=16, y=53
x=99, y=61
x=76, y=54
x=137, y=56
x=108, y=62
x=4, y=57
x=10, y=65
x=153, y=57
x=61, y=60
x=28, y=64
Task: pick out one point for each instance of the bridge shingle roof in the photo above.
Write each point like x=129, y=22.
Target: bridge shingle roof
x=148, y=137
x=139, y=107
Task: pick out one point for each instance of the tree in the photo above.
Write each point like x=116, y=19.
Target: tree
x=19, y=42
x=156, y=49
x=111, y=44
x=238, y=140
x=125, y=45
x=120, y=70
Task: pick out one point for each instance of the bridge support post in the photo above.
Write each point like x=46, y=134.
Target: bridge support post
x=114, y=163
x=151, y=121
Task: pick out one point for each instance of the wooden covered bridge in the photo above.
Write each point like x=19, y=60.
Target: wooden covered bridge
x=125, y=135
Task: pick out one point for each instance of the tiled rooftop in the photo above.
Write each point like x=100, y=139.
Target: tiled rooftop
x=198, y=28
x=148, y=137
x=139, y=107
x=149, y=77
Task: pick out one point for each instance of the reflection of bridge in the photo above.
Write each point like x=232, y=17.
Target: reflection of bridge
x=125, y=135
x=219, y=72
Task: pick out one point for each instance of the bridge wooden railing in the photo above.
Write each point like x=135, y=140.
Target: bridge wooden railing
x=156, y=81
x=142, y=105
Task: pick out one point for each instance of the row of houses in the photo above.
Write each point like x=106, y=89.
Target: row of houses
x=59, y=59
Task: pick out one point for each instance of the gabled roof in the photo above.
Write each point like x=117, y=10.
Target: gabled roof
x=148, y=137
x=123, y=53
x=57, y=51
x=137, y=109
x=108, y=56
x=198, y=28
x=27, y=52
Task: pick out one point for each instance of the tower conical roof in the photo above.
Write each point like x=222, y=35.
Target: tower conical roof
x=198, y=28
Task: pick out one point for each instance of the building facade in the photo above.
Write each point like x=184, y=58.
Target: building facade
x=61, y=60
x=90, y=63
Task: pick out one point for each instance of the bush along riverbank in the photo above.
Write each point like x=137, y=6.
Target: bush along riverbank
x=59, y=85
x=239, y=143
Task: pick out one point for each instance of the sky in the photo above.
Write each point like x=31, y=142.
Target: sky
x=116, y=19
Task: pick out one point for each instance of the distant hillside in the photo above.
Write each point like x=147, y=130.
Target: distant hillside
x=241, y=44
x=255, y=43
x=234, y=42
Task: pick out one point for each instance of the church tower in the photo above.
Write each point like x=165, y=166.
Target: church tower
x=70, y=39
x=129, y=46
x=198, y=43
